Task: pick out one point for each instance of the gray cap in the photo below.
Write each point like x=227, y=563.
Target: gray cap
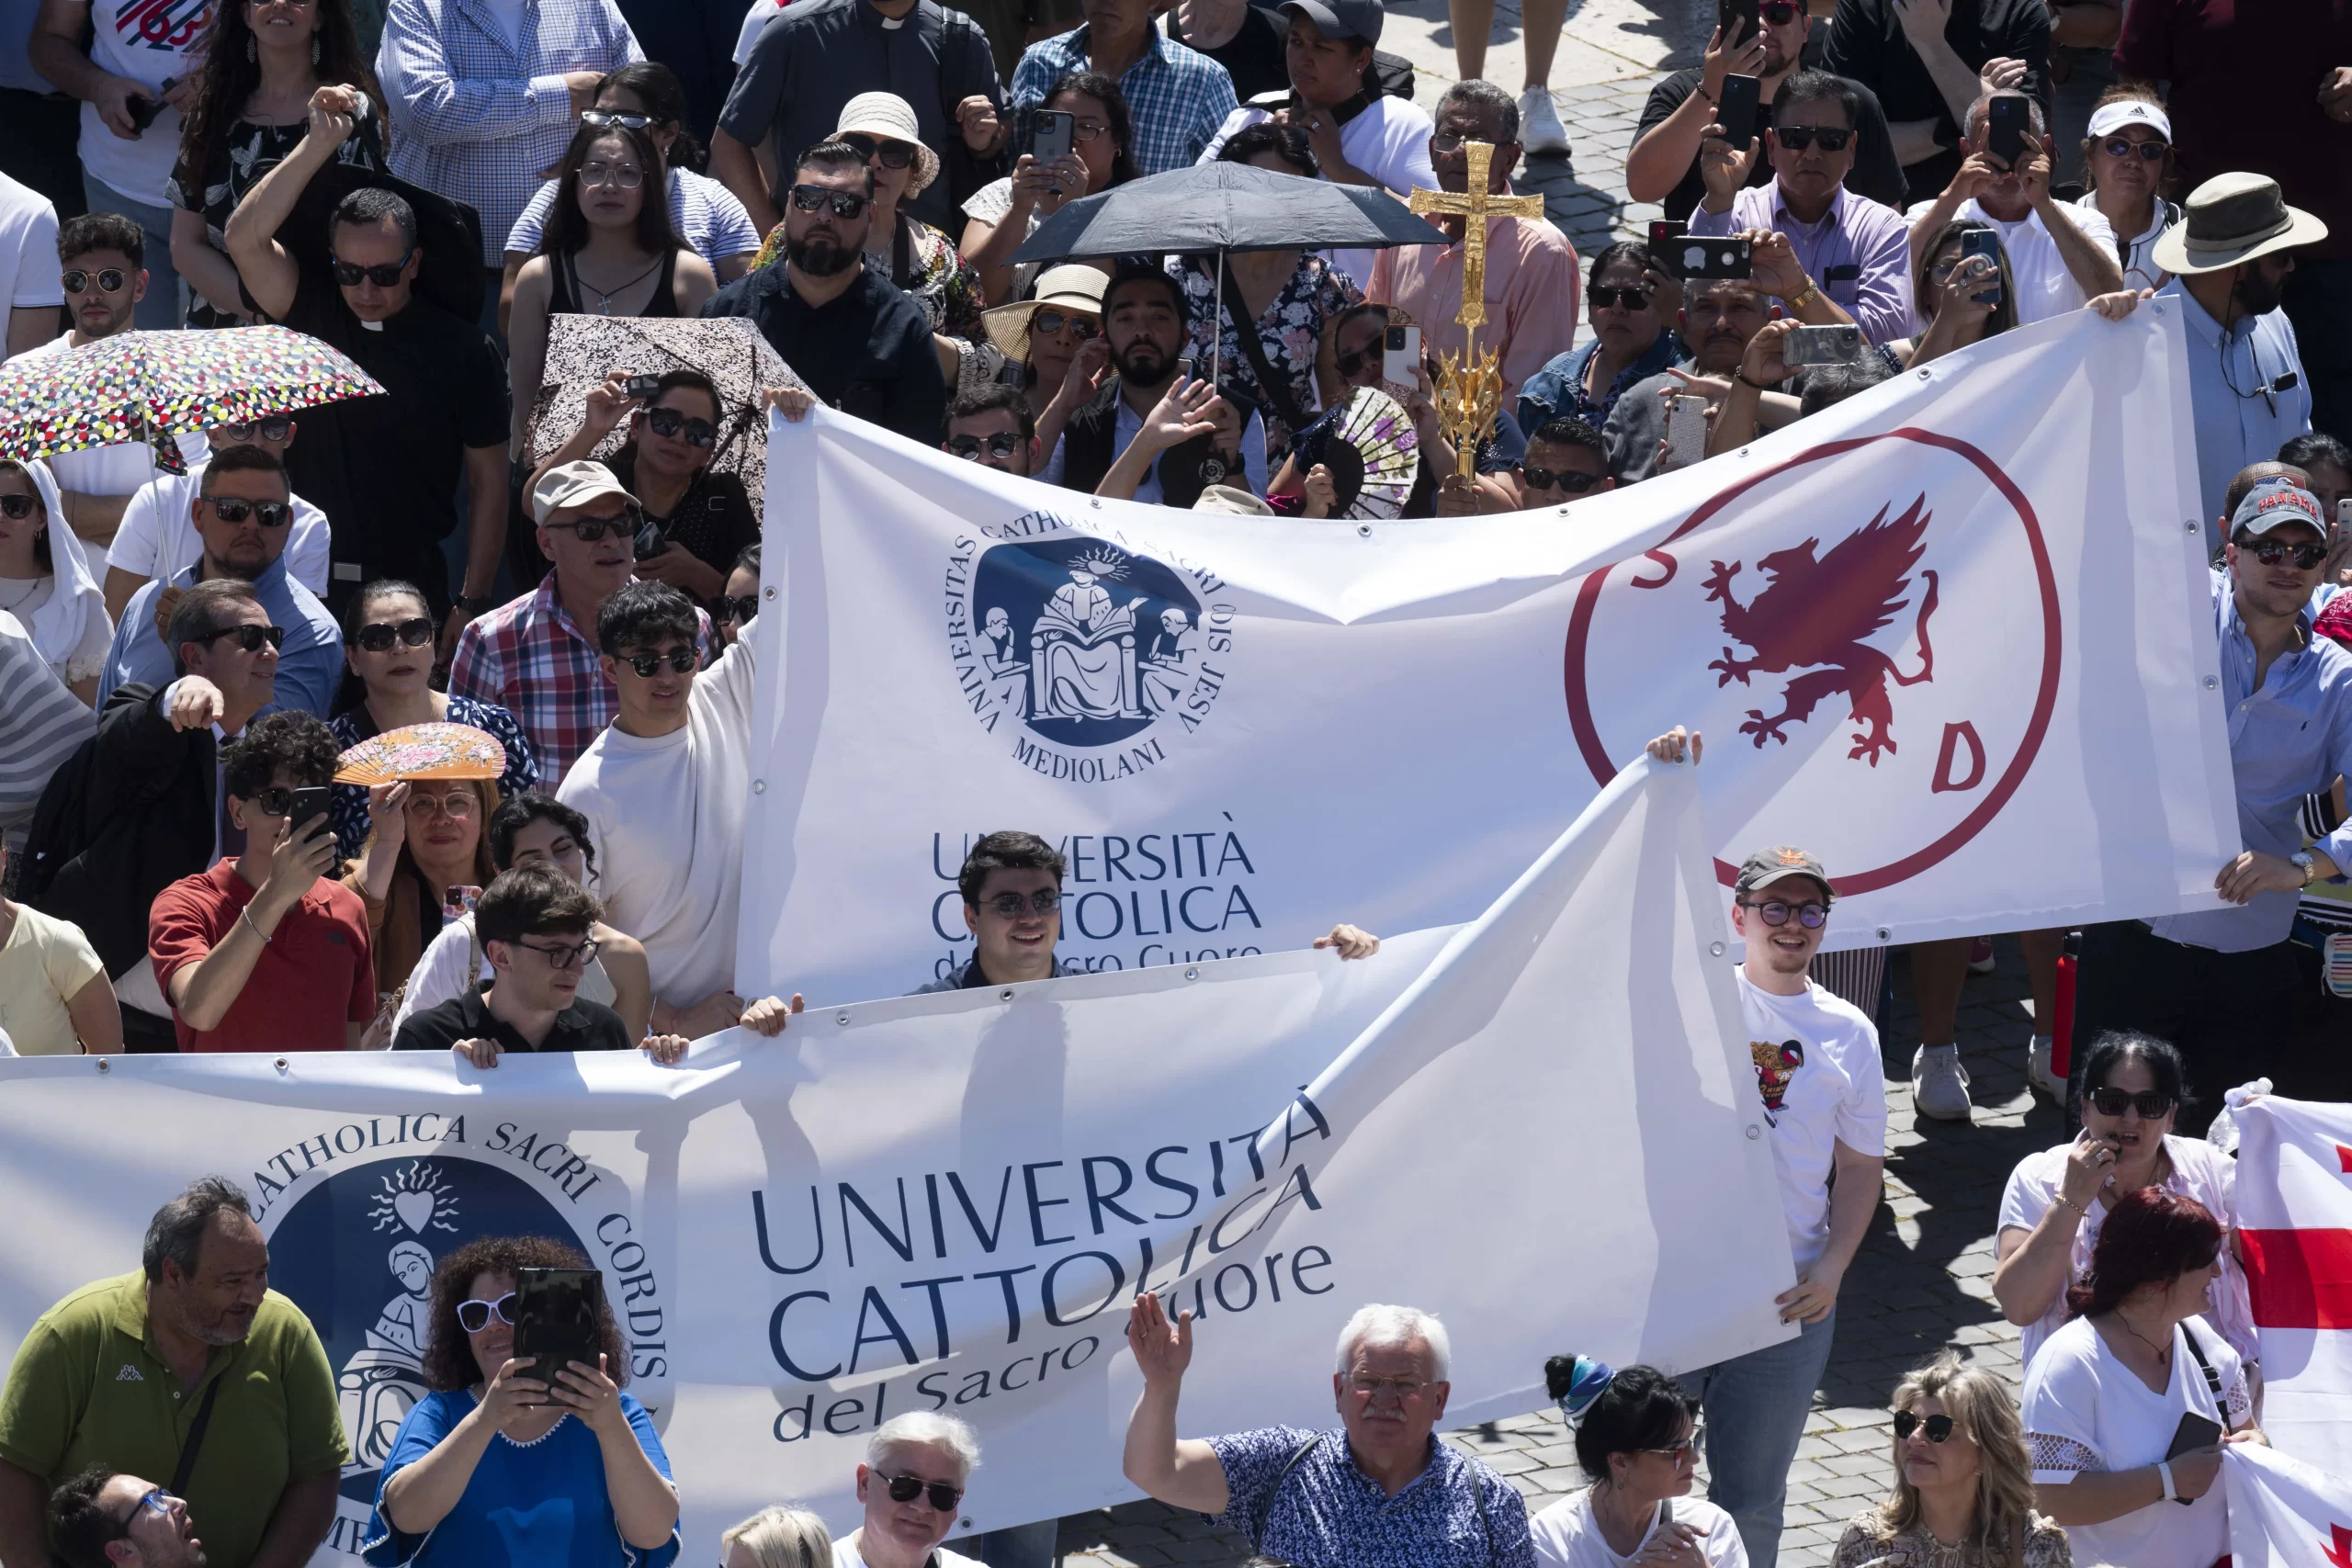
x=1341, y=19
x=1781, y=862
x=2275, y=501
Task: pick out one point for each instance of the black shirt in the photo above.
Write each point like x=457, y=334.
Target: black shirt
x=1254, y=57
x=1866, y=42
x=714, y=519
x=1876, y=172
x=868, y=353
x=697, y=40
x=582, y=1026
x=384, y=468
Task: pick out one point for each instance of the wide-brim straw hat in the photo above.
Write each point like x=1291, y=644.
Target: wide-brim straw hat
x=890, y=116
x=1072, y=287
x=2231, y=218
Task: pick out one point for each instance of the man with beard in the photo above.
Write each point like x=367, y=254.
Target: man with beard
x=1152, y=434
x=2230, y=256
x=99, y=1508
x=190, y=1357
x=1719, y=315
x=860, y=343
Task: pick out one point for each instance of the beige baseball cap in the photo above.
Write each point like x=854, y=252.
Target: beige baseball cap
x=573, y=484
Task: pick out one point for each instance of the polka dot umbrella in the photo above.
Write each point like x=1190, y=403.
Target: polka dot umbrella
x=152, y=385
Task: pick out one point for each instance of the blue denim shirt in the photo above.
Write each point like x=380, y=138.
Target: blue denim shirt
x=309, y=662
x=2288, y=738
x=1557, y=390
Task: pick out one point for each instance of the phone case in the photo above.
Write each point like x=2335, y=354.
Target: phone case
x=559, y=1316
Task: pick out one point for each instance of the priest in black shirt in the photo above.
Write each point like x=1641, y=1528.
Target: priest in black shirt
x=859, y=342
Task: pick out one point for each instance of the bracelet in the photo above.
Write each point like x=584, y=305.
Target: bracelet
x=2081, y=1208
x=1740, y=375
x=245, y=913
x=2164, y=1474
x=1812, y=291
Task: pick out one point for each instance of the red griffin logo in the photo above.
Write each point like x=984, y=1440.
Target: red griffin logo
x=1775, y=1067
x=1812, y=615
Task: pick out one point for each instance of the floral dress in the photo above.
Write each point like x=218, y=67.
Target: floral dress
x=246, y=152
x=1291, y=331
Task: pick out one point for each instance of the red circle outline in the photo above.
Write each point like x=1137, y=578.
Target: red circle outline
x=1596, y=756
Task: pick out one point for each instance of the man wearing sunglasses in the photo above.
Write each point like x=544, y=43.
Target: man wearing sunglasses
x=242, y=515
x=994, y=428
x=159, y=538
x=1565, y=461
x=912, y=1488
x=859, y=342
x=1721, y=316
x=98, y=1510
x=2227, y=986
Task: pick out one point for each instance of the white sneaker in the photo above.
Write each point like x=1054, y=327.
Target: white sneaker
x=1540, y=130
x=2039, y=1073
x=1940, y=1085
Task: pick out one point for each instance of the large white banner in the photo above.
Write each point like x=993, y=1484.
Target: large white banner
x=2284, y=1512
x=2294, y=1197
x=1954, y=635
x=1542, y=1126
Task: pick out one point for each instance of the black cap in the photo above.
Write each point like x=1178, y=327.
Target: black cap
x=1341, y=19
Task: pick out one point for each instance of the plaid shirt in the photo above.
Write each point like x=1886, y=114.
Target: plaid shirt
x=530, y=657
x=1176, y=95
x=477, y=120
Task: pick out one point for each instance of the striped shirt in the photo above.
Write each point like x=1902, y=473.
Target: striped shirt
x=1176, y=97
x=40, y=724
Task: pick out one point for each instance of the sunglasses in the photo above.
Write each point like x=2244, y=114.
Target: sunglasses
x=1778, y=13
x=564, y=956
x=1907, y=1422
x=272, y=427
x=670, y=421
x=627, y=176
x=942, y=1496
x=236, y=509
x=1353, y=362
x=1634, y=299
x=647, y=665
x=379, y=636
x=2270, y=552
x=1797, y=138
x=1013, y=905
x=846, y=203
x=1812, y=917
x=1060, y=321
x=969, y=448
x=1567, y=479
x=603, y=117
x=249, y=636
x=591, y=529
x=2123, y=147
x=731, y=608
x=1689, y=1446
x=78, y=281
x=273, y=802
x=351, y=273
x=16, y=508
x=894, y=155
x=2151, y=1105
x=475, y=1316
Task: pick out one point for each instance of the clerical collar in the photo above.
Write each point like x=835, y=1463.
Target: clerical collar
x=367, y=325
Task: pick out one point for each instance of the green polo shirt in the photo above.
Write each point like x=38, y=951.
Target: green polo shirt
x=89, y=1386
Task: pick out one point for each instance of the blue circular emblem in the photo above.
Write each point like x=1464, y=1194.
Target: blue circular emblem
x=1088, y=644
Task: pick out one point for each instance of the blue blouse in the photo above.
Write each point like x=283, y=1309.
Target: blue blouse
x=349, y=811
x=539, y=1505
x=1556, y=392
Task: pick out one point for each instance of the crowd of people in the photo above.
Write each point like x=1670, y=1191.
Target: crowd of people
x=198, y=634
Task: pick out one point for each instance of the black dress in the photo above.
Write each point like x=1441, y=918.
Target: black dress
x=565, y=294
x=713, y=520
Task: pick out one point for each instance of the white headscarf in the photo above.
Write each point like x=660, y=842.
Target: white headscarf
x=63, y=621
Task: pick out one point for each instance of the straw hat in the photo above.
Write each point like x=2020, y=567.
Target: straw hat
x=891, y=118
x=1066, y=287
x=2231, y=218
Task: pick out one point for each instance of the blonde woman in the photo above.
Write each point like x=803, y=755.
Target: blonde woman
x=777, y=1537
x=1963, y=1488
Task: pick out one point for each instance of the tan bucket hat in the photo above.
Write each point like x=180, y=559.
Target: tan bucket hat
x=1075, y=286
x=2231, y=218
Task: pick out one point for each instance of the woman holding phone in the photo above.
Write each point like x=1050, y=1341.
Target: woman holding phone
x=506, y=1462
x=1006, y=213
x=1954, y=280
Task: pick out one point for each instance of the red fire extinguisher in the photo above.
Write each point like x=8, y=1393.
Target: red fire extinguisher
x=2062, y=1021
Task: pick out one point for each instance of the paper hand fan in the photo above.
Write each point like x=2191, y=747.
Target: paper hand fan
x=423, y=752
x=1373, y=451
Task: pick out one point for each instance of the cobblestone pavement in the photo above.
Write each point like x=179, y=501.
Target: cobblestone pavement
x=1922, y=1281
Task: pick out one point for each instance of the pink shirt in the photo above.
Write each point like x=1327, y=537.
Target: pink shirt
x=1532, y=293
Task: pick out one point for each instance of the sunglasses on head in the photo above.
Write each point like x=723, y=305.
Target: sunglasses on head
x=1634, y=299
x=236, y=509
x=474, y=1316
x=894, y=155
x=1013, y=905
x=350, y=273
x=846, y=203
x=588, y=530
x=603, y=117
x=269, y=427
x=2123, y=147
x=1058, y=321
x=650, y=664
x=109, y=280
x=2270, y=552
x=738, y=608
x=1776, y=912
x=249, y=636
x=378, y=636
x=670, y=421
x=1568, y=479
x=2151, y=1104
x=942, y=1496
x=16, y=508
x=1003, y=444
x=1797, y=138
x=1908, y=1421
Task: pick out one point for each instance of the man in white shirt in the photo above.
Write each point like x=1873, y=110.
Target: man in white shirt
x=665, y=788
x=2060, y=256
x=1823, y=1092
x=158, y=537
x=29, y=294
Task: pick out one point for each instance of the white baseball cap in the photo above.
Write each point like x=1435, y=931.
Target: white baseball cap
x=2112, y=118
x=572, y=484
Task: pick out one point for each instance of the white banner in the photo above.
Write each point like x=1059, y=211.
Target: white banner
x=1542, y=1126
x=1954, y=635
x=2294, y=1199
x=2284, y=1512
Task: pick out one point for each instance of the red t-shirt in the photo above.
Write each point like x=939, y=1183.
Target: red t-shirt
x=315, y=975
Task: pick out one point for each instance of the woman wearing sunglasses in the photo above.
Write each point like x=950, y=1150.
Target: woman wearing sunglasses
x=1963, y=1487
x=2127, y=164
x=388, y=649
x=1947, y=285
x=741, y=600
x=911, y=1485
x=1633, y=305
x=2106, y=1395
x=1009, y=210
x=47, y=584
x=1056, y=340
x=705, y=514
x=507, y=1463
x=1637, y=1439
x=2129, y=1088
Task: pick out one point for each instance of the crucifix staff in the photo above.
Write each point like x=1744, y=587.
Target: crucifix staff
x=1470, y=388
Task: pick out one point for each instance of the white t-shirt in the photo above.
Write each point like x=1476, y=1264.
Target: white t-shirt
x=158, y=537
x=2198, y=1170
x=119, y=469
x=703, y=212
x=451, y=964
x=2043, y=287
x=665, y=814
x=28, y=270
x=845, y=1555
x=1389, y=140
x=2085, y=1410
x=1817, y=1070
x=151, y=42
x=2140, y=268
x=1567, y=1536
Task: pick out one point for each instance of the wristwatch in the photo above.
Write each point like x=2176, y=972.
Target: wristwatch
x=477, y=604
x=2301, y=861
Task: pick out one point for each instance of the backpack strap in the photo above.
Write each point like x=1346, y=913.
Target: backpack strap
x=1276, y=390
x=1266, y=1505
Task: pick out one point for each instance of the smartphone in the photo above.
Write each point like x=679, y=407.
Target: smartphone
x=1715, y=258
x=1053, y=136
x=2344, y=514
x=1686, y=431
x=1737, y=18
x=315, y=801
x=459, y=901
x=1986, y=244
x=143, y=111
x=1736, y=110
x=644, y=389
x=1664, y=233
x=558, y=1317
x=1400, y=355
x=2006, y=126
x=650, y=540
x=1822, y=346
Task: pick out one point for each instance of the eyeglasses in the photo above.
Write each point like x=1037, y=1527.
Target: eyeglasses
x=457, y=806
x=249, y=636
x=155, y=1501
x=2123, y=147
x=236, y=509
x=1634, y=299
x=591, y=529
x=670, y=421
x=1797, y=138
x=1907, y=1422
x=894, y=155
x=1689, y=1447
x=1061, y=321
x=969, y=448
x=941, y=1497
x=1812, y=917
x=1406, y=1390
x=650, y=664
x=629, y=176
x=15, y=508
x=270, y=427
x=77, y=281
x=1087, y=129
x=563, y=956
x=2270, y=552
x=273, y=802
x=1568, y=479
x=1013, y=905
x=603, y=117
x=474, y=1316
x=1778, y=13
x=379, y=636
x=2151, y=1104
x=846, y=203
x=349, y=273
x=734, y=608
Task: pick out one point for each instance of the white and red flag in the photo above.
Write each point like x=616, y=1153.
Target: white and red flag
x=2294, y=1195
x=2283, y=1512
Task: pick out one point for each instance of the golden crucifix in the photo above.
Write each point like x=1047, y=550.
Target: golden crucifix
x=1469, y=389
